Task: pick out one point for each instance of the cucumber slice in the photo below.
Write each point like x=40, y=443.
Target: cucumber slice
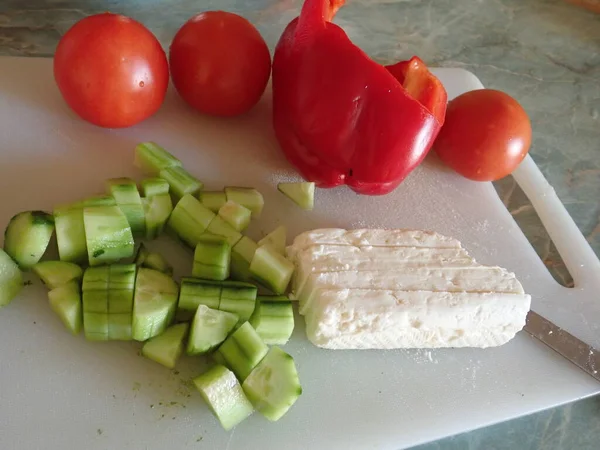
x=273, y=321
x=57, y=273
x=151, y=260
x=271, y=269
x=248, y=197
x=119, y=327
x=219, y=227
x=127, y=196
x=239, y=298
x=152, y=158
x=241, y=257
x=121, y=276
x=95, y=302
x=120, y=301
x=211, y=258
x=181, y=182
x=209, y=329
x=212, y=200
x=95, y=279
x=154, y=303
x=189, y=220
x=302, y=194
x=157, y=210
x=243, y=350
x=276, y=238
x=273, y=386
x=166, y=348
x=237, y=216
x=195, y=292
x=11, y=279
x=27, y=237
x=108, y=234
x=65, y=301
x=224, y=396
x=70, y=234
x=98, y=200
x=154, y=186
x=95, y=325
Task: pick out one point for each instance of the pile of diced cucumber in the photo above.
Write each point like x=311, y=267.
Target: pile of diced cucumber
x=216, y=310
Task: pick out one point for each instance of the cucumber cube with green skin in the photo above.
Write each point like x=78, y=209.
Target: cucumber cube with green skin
x=248, y=197
x=95, y=325
x=121, y=276
x=151, y=260
x=276, y=238
x=236, y=215
x=108, y=235
x=120, y=301
x=152, y=158
x=239, y=298
x=273, y=321
x=224, y=396
x=127, y=196
x=210, y=328
x=243, y=350
x=212, y=200
x=181, y=182
x=273, y=386
x=57, y=273
x=241, y=257
x=166, y=348
x=65, y=301
x=271, y=268
x=157, y=210
x=27, y=237
x=189, y=220
x=154, y=303
x=195, y=292
x=70, y=234
x=98, y=200
x=119, y=326
x=302, y=194
x=96, y=278
x=95, y=301
x=154, y=186
x=211, y=258
x=219, y=227
x=11, y=279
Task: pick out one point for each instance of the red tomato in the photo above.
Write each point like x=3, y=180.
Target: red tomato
x=220, y=64
x=485, y=136
x=111, y=70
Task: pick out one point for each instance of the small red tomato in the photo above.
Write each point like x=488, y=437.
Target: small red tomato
x=485, y=136
x=111, y=70
x=220, y=64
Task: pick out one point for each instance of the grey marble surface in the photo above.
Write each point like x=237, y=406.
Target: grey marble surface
x=545, y=53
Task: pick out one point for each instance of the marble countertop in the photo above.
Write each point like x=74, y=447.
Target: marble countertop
x=545, y=53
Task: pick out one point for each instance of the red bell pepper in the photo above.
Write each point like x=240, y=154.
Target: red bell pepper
x=340, y=117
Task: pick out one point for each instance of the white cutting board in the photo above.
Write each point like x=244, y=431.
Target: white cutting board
x=60, y=392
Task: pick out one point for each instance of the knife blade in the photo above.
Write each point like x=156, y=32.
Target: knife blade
x=564, y=343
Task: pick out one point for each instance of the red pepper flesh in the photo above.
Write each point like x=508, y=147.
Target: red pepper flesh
x=340, y=117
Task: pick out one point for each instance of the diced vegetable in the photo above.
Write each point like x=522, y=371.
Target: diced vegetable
x=121, y=276
x=248, y=197
x=108, y=234
x=152, y=260
x=157, y=210
x=212, y=258
x=95, y=325
x=219, y=227
x=65, y=301
x=70, y=234
x=195, y=292
x=303, y=194
x=237, y=216
x=57, y=273
x=243, y=350
x=273, y=321
x=212, y=200
x=11, y=279
x=210, y=328
x=166, y=348
x=152, y=158
x=127, y=196
x=239, y=298
x=189, y=220
x=27, y=236
x=181, y=182
x=95, y=279
x=98, y=200
x=271, y=269
x=276, y=238
x=154, y=186
x=241, y=257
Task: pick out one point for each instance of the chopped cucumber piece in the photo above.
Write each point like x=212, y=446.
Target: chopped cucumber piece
x=273, y=386
x=127, y=196
x=99, y=200
x=276, y=238
x=95, y=279
x=95, y=302
x=119, y=327
x=239, y=298
x=57, y=273
x=302, y=194
x=212, y=200
x=152, y=158
x=237, y=216
x=273, y=321
x=65, y=301
x=189, y=220
x=248, y=197
x=271, y=269
x=211, y=258
x=181, y=182
x=120, y=301
x=243, y=350
x=241, y=257
x=273, y=298
x=70, y=234
x=141, y=255
x=108, y=234
x=152, y=260
x=195, y=292
x=154, y=186
x=27, y=237
x=11, y=279
x=166, y=348
x=154, y=303
x=219, y=227
x=95, y=325
x=209, y=329
x=157, y=210
x=121, y=276
x=225, y=397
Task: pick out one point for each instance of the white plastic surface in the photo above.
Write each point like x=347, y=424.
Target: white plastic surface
x=58, y=391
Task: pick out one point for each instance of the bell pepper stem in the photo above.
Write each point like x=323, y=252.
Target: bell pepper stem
x=316, y=13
